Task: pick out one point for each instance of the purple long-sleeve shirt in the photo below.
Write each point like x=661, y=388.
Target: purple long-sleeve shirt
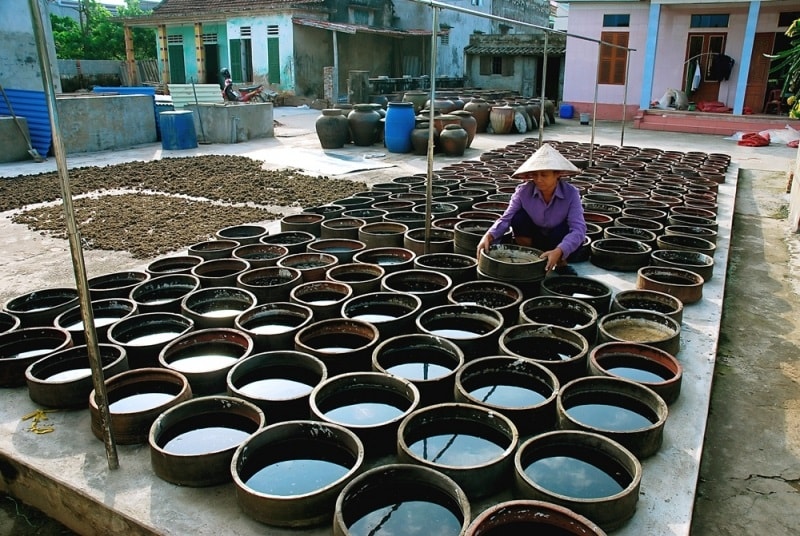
x=565, y=205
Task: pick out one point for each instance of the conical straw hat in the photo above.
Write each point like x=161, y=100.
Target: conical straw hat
x=546, y=158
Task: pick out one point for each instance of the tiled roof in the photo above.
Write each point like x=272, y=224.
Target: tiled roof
x=511, y=50
x=169, y=8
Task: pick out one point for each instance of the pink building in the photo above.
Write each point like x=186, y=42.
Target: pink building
x=714, y=51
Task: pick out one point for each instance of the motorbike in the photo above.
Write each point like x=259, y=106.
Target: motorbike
x=243, y=93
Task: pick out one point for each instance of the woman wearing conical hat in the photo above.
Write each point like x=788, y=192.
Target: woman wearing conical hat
x=544, y=212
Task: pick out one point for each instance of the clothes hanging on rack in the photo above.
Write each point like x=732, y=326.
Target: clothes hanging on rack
x=721, y=66
x=697, y=77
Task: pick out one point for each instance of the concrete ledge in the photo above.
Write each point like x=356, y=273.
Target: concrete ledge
x=232, y=123
x=15, y=147
x=92, y=123
x=708, y=123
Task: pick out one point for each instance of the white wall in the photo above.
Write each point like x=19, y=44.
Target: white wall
x=19, y=62
x=582, y=56
x=450, y=57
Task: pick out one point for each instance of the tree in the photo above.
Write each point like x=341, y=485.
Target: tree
x=95, y=36
x=789, y=60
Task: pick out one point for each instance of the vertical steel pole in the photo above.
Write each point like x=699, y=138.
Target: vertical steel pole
x=625, y=99
x=335, y=68
x=431, y=130
x=594, y=105
x=544, y=82
x=82, y=284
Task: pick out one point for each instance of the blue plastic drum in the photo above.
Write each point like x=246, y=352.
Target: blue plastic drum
x=177, y=130
x=399, y=124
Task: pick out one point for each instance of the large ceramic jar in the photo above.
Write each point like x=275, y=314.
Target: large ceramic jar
x=468, y=123
x=441, y=121
x=399, y=124
x=332, y=129
x=441, y=104
x=453, y=140
x=419, y=138
x=501, y=119
x=480, y=110
x=417, y=98
x=364, y=121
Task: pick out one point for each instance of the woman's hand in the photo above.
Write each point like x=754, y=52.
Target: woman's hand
x=483, y=245
x=554, y=257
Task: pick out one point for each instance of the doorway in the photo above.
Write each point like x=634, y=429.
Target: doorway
x=758, y=76
x=700, y=51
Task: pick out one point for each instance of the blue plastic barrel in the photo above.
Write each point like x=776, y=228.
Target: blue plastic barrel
x=177, y=130
x=398, y=126
x=566, y=111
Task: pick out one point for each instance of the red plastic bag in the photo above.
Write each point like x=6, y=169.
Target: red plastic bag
x=753, y=139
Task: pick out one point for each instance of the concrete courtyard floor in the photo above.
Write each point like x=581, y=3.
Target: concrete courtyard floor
x=739, y=412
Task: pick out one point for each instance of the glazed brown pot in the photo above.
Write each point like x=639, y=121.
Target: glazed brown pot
x=135, y=399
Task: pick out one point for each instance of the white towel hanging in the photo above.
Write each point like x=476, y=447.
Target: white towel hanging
x=696, y=77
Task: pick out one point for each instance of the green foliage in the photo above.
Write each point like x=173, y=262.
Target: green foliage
x=788, y=61
x=97, y=37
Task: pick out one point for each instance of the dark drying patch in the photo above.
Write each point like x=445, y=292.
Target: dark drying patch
x=234, y=179
x=149, y=225
x=144, y=225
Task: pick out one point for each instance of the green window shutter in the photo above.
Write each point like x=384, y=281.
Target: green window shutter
x=177, y=65
x=236, y=60
x=486, y=65
x=273, y=61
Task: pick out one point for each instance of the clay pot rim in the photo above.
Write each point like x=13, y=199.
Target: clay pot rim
x=308, y=429
x=190, y=260
x=148, y=375
x=70, y=295
x=280, y=358
x=434, y=479
x=579, y=438
x=210, y=404
x=459, y=411
x=548, y=510
x=258, y=230
x=361, y=380
x=610, y=349
x=496, y=362
x=572, y=303
x=175, y=319
x=115, y=276
x=231, y=336
x=451, y=348
x=616, y=385
x=64, y=354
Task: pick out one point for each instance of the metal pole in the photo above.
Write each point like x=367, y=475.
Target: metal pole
x=625, y=100
x=335, y=68
x=544, y=83
x=431, y=130
x=594, y=107
x=87, y=315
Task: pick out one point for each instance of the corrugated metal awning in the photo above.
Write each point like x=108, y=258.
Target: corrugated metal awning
x=32, y=105
x=356, y=28
x=521, y=50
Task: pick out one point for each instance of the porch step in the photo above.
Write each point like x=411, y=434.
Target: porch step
x=708, y=123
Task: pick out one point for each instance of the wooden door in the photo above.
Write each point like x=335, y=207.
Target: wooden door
x=700, y=48
x=758, y=77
